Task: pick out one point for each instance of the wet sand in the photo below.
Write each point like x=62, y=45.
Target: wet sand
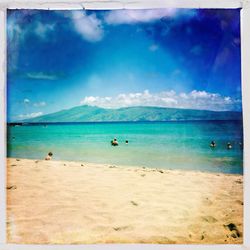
x=61, y=202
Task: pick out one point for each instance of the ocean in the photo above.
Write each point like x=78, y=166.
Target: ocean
x=168, y=145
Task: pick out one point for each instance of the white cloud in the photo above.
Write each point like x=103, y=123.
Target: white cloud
x=193, y=100
x=222, y=58
x=116, y=17
x=26, y=101
x=135, y=16
x=39, y=104
x=90, y=99
x=17, y=33
x=88, y=26
x=14, y=30
x=15, y=37
x=203, y=95
x=41, y=76
x=153, y=47
x=42, y=29
x=31, y=115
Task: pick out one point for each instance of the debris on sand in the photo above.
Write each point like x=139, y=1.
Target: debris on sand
x=11, y=187
x=233, y=228
x=134, y=203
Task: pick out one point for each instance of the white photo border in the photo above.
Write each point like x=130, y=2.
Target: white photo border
x=128, y=4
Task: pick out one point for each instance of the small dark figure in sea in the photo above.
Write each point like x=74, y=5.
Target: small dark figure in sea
x=212, y=144
x=114, y=142
x=126, y=141
x=241, y=145
x=229, y=145
x=49, y=156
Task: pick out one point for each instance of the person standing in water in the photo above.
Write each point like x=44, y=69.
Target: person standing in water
x=114, y=142
x=229, y=145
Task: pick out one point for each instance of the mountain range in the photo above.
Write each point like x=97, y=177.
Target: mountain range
x=87, y=113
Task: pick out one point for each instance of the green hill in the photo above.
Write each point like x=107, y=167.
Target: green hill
x=95, y=114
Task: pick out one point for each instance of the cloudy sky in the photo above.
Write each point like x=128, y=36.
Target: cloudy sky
x=162, y=57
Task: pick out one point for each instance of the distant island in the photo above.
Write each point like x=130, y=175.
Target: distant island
x=87, y=113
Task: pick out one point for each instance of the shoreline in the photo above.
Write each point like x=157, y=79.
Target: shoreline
x=153, y=169
x=67, y=202
x=22, y=123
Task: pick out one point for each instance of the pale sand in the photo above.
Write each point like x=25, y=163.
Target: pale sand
x=69, y=203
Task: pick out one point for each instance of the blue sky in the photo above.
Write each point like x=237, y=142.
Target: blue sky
x=162, y=57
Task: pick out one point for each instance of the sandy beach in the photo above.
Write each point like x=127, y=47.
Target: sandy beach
x=61, y=202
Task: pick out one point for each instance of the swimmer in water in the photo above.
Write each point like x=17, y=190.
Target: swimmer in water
x=126, y=141
x=114, y=142
x=212, y=144
x=229, y=145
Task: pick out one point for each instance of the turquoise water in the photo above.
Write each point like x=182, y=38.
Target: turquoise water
x=170, y=145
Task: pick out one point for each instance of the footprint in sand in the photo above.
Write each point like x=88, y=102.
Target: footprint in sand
x=195, y=229
x=209, y=219
x=202, y=237
x=233, y=228
x=239, y=181
x=160, y=240
x=240, y=202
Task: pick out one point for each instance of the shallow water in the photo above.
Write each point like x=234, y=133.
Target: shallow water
x=171, y=145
